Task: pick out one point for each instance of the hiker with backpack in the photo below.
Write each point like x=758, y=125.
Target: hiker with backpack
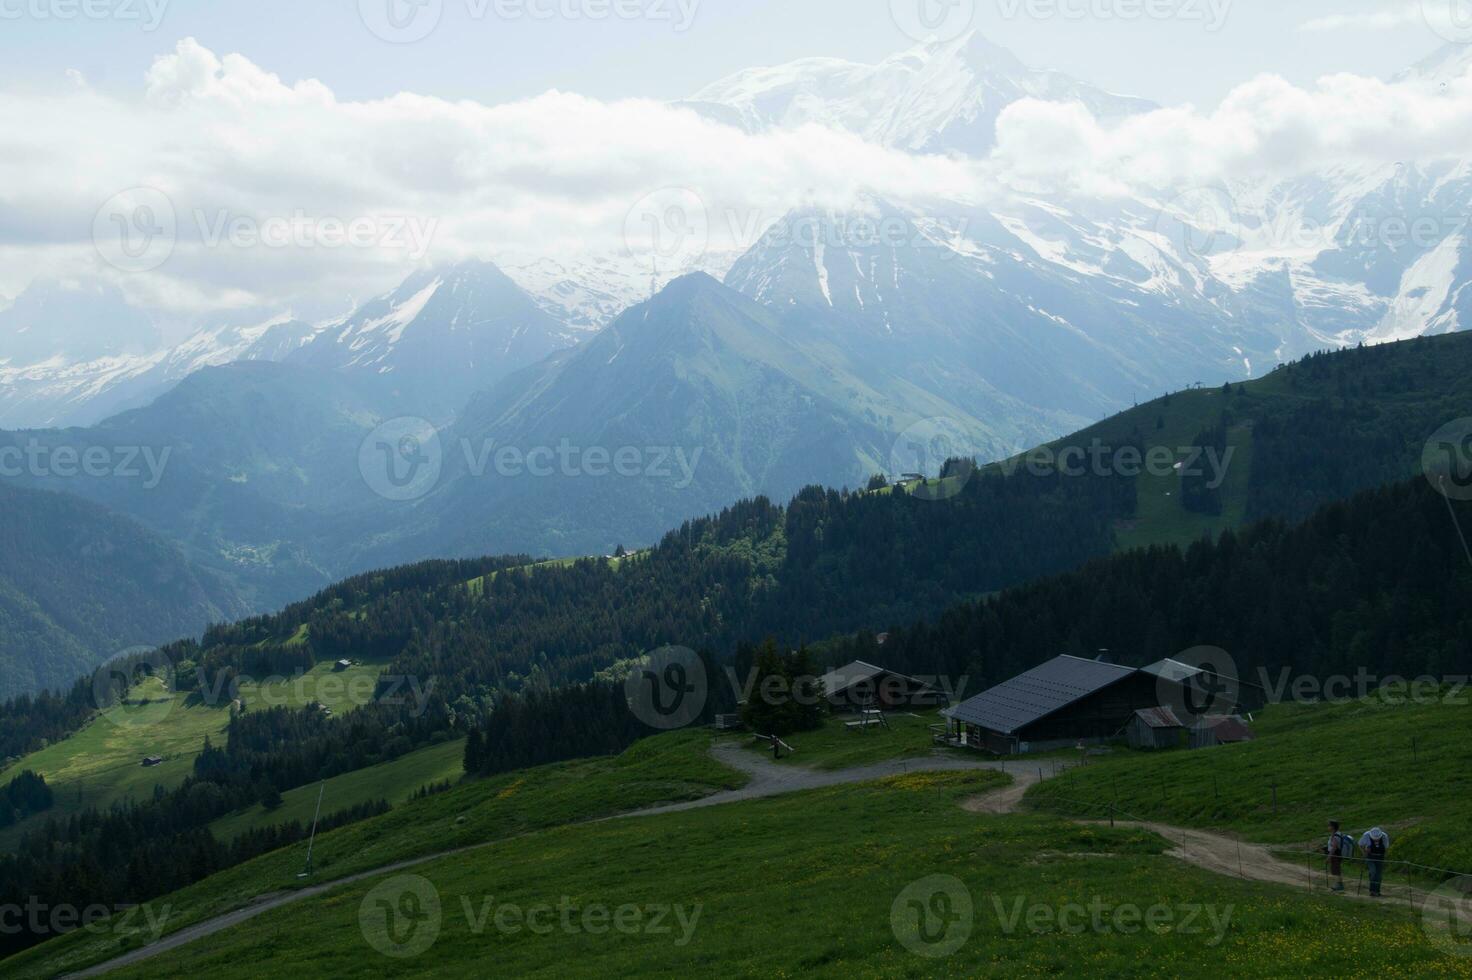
x=1376, y=844
x=1340, y=846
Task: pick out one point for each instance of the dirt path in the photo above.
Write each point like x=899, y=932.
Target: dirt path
x=768, y=778
x=1222, y=854
x=765, y=778
x=1009, y=798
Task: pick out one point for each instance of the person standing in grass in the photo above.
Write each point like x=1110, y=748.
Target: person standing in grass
x=1339, y=845
x=1376, y=844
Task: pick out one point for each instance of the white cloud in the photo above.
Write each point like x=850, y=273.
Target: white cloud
x=1266, y=127
x=1369, y=20
x=231, y=144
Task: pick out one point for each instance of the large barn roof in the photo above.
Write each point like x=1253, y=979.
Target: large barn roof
x=1039, y=692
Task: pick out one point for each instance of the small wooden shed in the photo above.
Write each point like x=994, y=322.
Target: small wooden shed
x=1219, y=730
x=1155, y=728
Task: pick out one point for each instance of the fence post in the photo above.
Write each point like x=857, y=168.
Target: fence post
x=1275, y=799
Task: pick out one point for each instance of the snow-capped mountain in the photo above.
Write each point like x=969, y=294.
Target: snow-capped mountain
x=587, y=291
x=443, y=334
x=1347, y=256
x=100, y=357
x=1035, y=319
x=1031, y=314
x=426, y=346
x=939, y=97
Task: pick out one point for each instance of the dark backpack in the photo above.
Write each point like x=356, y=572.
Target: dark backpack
x=1377, y=847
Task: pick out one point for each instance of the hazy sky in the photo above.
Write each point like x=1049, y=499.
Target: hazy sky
x=236, y=139
x=1172, y=51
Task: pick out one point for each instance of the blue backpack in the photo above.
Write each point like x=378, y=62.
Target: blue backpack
x=1346, y=845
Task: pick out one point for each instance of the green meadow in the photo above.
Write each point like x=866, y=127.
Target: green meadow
x=102, y=763
x=890, y=878
x=1387, y=760
x=395, y=781
x=670, y=768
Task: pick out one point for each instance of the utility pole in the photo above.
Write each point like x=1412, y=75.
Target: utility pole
x=311, y=841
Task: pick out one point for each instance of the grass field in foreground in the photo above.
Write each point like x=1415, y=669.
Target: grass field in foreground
x=394, y=781
x=1381, y=760
x=825, y=883
x=667, y=768
x=102, y=763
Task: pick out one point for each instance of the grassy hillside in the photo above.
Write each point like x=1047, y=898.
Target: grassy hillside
x=1383, y=760
x=102, y=764
x=1304, y=435
x=670, y=768
x=820, y=884
x=395, y=782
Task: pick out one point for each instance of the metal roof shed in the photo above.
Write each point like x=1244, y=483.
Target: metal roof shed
x=860, y=684
x=1155, y=728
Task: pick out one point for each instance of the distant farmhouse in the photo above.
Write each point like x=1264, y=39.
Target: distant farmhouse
x=860, y=685
x=1069, y=700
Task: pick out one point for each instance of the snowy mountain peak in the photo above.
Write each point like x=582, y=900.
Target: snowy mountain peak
x=440, y=335
x=934, y=97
